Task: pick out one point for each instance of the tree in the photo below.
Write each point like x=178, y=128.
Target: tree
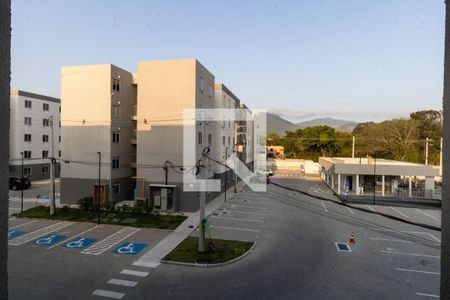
x=273, y=139
x=321, y=139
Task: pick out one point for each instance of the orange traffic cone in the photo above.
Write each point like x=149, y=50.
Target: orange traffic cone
x=352, y=239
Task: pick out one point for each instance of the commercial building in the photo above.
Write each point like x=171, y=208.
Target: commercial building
x=34, y=127
x=360, y=176
x=136, y=122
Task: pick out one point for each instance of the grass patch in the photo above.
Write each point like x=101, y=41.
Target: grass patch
x=187, y=251
x=114, y=218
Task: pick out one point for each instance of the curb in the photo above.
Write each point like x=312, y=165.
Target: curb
x=211, y=265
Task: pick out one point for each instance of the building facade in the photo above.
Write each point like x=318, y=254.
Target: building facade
x=136, y=122
x=35, y=126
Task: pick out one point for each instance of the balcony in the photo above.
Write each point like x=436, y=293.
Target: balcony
x=134, y=113
x=133, y=161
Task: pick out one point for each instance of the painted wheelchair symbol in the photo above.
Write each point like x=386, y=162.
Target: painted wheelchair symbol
x=129, y=248
x=80, y=243
x=46, y=241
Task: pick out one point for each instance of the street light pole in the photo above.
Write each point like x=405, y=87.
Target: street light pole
x=21, y=186
x=226, y=171
x=374, y=178
x=98, y=187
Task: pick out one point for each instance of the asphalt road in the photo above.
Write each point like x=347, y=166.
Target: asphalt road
x=295, y=257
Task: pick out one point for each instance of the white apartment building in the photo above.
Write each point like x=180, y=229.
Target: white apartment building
x=138, y=129
x=32, y=118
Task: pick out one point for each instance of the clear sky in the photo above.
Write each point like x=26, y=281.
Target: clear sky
x=353, y=59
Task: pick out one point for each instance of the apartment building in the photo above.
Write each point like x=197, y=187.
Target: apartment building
x=33, y=116
x=145, y=163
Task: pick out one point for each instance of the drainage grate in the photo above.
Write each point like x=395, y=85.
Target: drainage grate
x=215, y=214
x=244, y=200
x=225, y=213
x=344, y=247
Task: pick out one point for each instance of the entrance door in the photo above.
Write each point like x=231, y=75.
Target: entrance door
x=102, y=194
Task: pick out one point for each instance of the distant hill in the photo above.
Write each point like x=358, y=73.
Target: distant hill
x=278, y=125
x=341, y=125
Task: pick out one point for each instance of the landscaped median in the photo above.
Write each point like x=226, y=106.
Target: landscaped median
x=220, y=253
x=115, y=218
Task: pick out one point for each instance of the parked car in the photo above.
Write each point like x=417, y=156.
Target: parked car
x=17, y=183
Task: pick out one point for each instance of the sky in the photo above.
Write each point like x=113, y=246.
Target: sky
x=303, y=59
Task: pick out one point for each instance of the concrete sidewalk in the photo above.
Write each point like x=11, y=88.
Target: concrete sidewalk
x=153, y=257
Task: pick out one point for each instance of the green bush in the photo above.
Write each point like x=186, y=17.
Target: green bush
x=86, y=203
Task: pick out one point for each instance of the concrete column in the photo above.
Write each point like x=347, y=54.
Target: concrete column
x=429, y=186
x=339, y=184
x=410, y=187
x=332, y=181
x=357, y=184
x=5, y=68
x=382, y=185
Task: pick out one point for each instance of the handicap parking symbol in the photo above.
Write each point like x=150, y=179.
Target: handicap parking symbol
x=129, y=248
x=12, y=234
x=79, y=243
x=49, y=239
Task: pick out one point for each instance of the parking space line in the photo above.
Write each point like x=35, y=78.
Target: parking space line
x=427, y=295
x=350, y=210
x=390, y=240
x=324, y=207
x=123, y=282
x=38, y=233
x=410, y=254
x=134, y=273
x=110, y=241
x=246, y=212
x=234, y=228
x=399, y=212
x=418, y=271
x=427, y=214
x=237, y=219
x=12, y=218
x=108, y=294
x=246, y=206
x=65, y=240
x=371, y=208
x=20, y=225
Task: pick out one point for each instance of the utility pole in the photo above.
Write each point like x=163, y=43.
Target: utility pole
x=201, y=238
x=374, y=178
x=353, y=147
x=98, y=187
x=21, y=186
x=226, y=171
x=52, y=171
x=426, y=151
x=440, y=160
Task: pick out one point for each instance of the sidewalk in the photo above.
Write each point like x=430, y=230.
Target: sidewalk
x=153, y=257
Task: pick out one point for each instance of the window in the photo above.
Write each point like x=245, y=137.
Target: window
x=200, y=83
x=45, y=106
x=59, y=153
x=60, y=109
x=223, y=140
x=27, y=103
x=116, y=137
x=27, y=137
x=45, y=138
x=45, y=122
x=229, y=141
x=116, y=189
x=60, y=139
x=116, y=85
x=27, y=154
x=209, y=139
x=27, y=171
x=200, y=138
x=116, y=111
x=44, y=153
x=27, y=121
x=210, y=90
x=115, y=163
x=59, y=123
x=45, y=170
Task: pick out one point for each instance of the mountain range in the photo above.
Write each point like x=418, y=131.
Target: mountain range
x=278, y=125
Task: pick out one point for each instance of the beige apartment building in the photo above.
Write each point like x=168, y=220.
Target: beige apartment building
x=136, y=122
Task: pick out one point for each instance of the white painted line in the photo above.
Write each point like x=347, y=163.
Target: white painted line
x=108, y=294
x=246, y=212
x=134, y=273
x=399, y=212
x=14, y=208
x=427, y=214
x=406, y=231
x=390, y=240
x=410, y=254
x=246, y=206
x=12, y=218
x=38, y=233
x=110, y=241
x=123, y=282
x=65, y=240
x=234, y=228
x=17, y=226
x=371, y=208
x=324, y=207
x=427, y=295
x=418, y=271
x=237, y=219
x=351, y=211
x=146, y=264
